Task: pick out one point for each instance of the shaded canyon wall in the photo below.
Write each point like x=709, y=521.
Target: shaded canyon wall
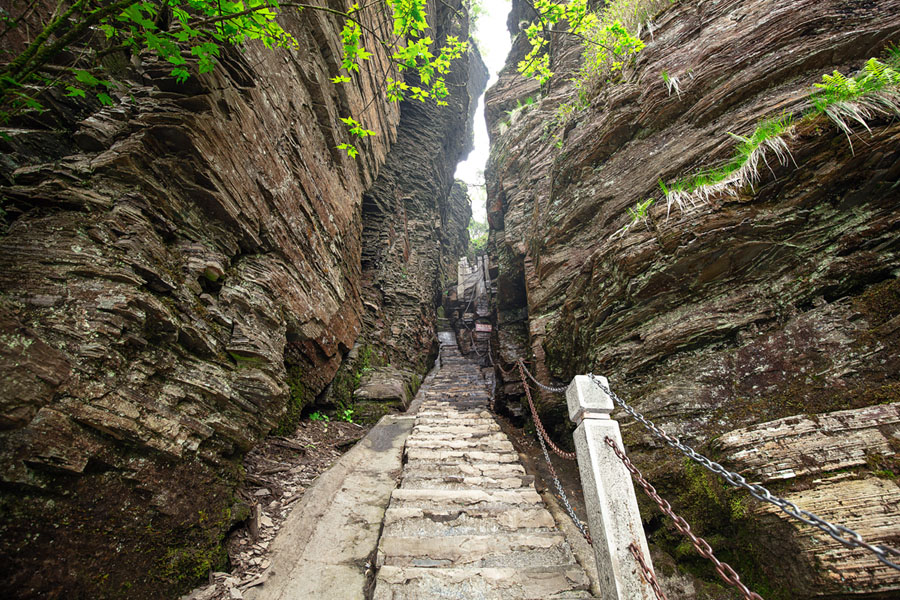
x=179, y=274
x=760, y=327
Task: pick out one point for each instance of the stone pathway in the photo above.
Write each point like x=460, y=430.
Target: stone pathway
x=466, y=521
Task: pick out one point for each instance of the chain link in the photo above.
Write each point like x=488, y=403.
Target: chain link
x=562, y=494
x=647, y=572
x=546, y=388
x=702, y=546
x=837, y=532
x=542, y=433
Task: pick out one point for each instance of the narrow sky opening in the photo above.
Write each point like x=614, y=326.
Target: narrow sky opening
x=494, y=42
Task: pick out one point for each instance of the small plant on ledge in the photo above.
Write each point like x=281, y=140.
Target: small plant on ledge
x=872, y=92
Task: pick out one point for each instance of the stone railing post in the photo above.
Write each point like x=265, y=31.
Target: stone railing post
x=609, y=497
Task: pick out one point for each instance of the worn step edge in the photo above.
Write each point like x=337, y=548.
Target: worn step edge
x=436, y=523
x=521, y=550
x=468, y=496
x=487, y=583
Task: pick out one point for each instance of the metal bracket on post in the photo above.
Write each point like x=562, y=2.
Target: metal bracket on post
x=612, y=508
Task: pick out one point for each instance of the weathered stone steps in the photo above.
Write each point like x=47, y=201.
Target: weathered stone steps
x=466, y=521
x=539, y=549
x=494, y=583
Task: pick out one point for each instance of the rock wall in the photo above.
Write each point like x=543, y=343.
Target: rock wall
x=414, y=229
x=769, y=308
x=179, y=274
x=415, y=216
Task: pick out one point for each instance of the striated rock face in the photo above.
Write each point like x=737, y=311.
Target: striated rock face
x=415, y=216
x=780, y=303
x=178, y=273
x=808, y=445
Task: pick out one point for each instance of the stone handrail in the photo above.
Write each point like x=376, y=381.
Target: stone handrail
x=612, y=509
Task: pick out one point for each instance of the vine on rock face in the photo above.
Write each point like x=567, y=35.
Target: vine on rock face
x=190, y=34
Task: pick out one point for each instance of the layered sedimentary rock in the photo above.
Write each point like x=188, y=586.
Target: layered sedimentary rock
x=415, y=217
x=414, y=229
x=782, y=300
x=178, y=272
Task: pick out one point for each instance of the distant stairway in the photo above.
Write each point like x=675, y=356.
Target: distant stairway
x=466, y=521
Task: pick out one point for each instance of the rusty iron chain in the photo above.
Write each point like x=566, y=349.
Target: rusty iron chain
x=537, y=420
x=846, y=536
x=724, y=571
x=504, y=371
x=646, y=571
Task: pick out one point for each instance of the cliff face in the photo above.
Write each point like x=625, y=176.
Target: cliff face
x=180, y=273
x=736, y=318
x=415, y=217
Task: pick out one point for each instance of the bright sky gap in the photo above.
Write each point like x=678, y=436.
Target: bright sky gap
x=494, y=43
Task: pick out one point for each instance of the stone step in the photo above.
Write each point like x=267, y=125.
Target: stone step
x=454, y=420
x=448, y=422
x=457, y=429
x=437, y=400
x=461, y=456
x=427, y=468
x=462, y=396
x=458, y=483
x=452, y=414
x=447, y=498
x=471, y=445
x=455, y=414
x=488, y=583
x=458, y=399
x=466, y=434
x=519, y=550
x=411, y=521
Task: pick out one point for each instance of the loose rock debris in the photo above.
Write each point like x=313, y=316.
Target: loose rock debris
x=279, y=471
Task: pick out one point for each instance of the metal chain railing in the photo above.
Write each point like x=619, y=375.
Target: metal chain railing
x=854, y=539
x=646, y=571
x=537, y=420
x=562, y=493
x=544, y=440
x=724, y=571
x=546, y=388
x=490, y=356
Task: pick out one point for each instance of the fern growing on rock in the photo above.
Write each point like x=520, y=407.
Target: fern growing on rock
x=872, y=92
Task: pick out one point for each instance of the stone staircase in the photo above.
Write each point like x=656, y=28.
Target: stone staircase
x=466, y=521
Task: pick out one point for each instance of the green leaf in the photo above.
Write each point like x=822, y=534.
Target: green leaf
x=350, y=149
x=29, y=102
x=104, y=99
x=181, y=75
x=86, y=78
x=75, y=92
